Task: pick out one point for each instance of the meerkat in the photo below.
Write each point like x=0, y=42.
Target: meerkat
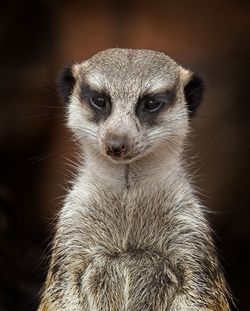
x=132, y=234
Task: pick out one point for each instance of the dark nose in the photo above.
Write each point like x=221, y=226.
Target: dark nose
x=116, y=145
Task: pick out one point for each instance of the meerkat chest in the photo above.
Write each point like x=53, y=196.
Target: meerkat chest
x=116, y=222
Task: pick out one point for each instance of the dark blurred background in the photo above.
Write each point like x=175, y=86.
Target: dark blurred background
x=37, y=153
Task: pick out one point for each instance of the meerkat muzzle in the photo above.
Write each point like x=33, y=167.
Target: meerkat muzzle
x=116, y=145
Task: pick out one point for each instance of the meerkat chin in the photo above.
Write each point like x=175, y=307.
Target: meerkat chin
x=132, y=235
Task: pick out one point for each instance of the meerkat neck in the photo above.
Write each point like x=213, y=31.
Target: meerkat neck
x=141, y=172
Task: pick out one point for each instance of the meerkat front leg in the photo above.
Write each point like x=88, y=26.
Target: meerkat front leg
x=62, y=290
x=201, y=295
x=103, y=284
x=184, y=302
x=70, y=299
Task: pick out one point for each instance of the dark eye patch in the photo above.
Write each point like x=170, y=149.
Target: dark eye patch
x=98, y=102
x=149, y=106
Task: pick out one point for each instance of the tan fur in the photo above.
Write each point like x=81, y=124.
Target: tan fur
x=132, y=236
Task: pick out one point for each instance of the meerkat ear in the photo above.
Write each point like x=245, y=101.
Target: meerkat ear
x=193, y=91
x=66, y=82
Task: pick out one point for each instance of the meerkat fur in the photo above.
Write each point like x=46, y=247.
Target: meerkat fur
x=132, y=235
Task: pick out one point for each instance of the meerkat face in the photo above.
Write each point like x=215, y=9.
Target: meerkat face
x=125, y=103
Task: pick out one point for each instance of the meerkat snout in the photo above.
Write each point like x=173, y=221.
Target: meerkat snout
x=116, y=145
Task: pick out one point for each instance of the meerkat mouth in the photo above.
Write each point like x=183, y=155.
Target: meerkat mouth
x=126, y=159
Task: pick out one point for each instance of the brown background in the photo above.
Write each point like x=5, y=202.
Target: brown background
x=36, y=152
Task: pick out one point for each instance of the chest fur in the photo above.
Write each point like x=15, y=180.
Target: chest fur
x=117, y=222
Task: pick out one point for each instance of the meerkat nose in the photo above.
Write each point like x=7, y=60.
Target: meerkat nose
x=116, y=145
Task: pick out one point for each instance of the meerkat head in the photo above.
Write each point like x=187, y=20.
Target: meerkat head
x=125, y=104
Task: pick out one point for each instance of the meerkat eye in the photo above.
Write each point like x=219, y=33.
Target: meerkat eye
x=152, y=105
x=99, y=102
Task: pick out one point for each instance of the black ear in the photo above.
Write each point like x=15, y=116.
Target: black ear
x=193, y=93
x=66, y=82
